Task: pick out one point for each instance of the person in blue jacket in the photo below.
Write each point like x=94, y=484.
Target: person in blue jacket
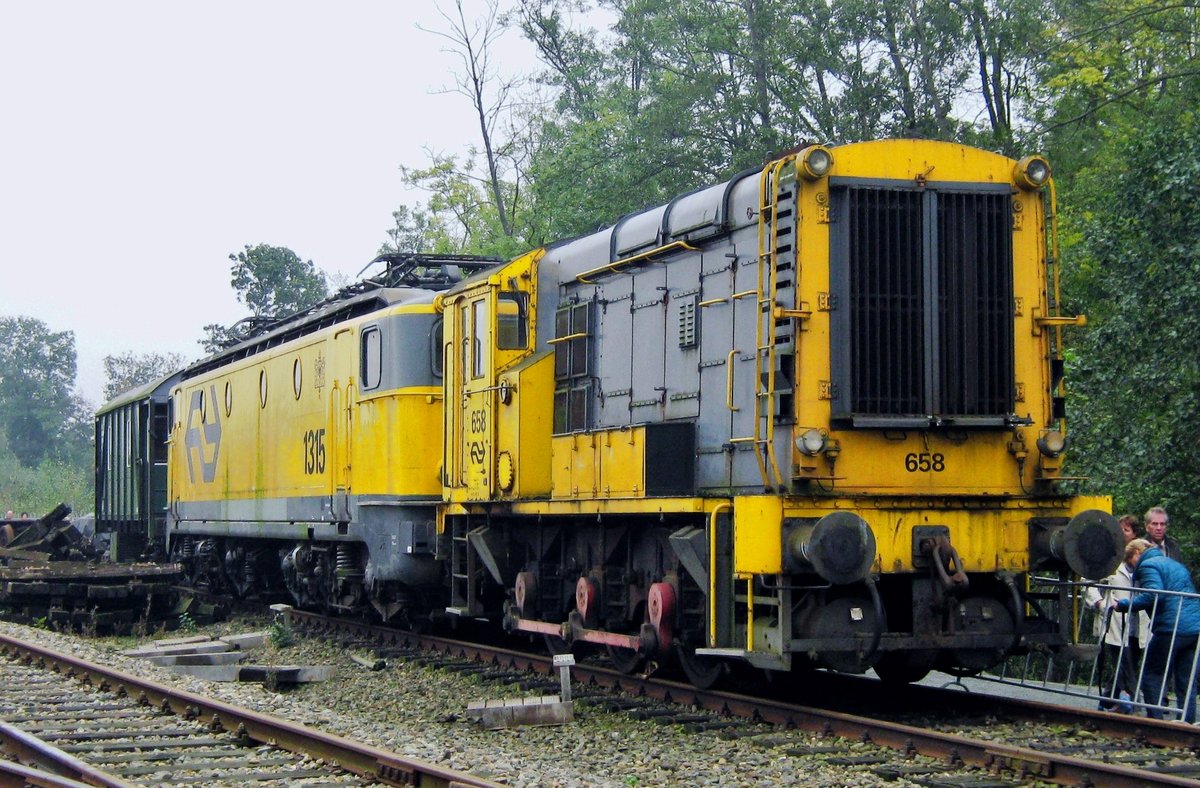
x=1174, y=628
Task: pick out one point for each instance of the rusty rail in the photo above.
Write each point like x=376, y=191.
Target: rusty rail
x=362, y=759
x=1029, y=763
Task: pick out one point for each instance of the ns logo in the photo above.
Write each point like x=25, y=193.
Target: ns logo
x=201, y=440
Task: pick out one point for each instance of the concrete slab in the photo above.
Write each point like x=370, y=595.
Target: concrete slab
x=247, y=640
x=206, y=647
x=219, y=658
x=513, y=712
x=285, y=674
x=209, y=672
x=180, y=641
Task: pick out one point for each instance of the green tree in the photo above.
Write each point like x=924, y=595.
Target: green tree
x=217, y=337
x=126, y=371
x=1118, y=91
x=273, y=281
x=415, y=229
x=1110, y=65
x=689, y=91
x=1135, y=374
x=38, y=408
x=39, y=489
x=478, y=80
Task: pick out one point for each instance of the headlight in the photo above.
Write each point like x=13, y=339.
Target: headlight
x=1052, y=443
x=815, y=162
x=1032, y=172
x=811, y=442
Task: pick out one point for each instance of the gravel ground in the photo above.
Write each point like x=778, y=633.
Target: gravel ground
x=420, y=712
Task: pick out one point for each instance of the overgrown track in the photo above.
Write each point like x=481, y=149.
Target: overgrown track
x=106, y=727
x=1117, y=750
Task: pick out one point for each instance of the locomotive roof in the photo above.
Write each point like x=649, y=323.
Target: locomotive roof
x=690, y=217
x=406, y=278
x=160, y=386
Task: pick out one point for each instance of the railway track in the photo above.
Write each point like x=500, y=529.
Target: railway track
x=1016, y=740
x=88, y=723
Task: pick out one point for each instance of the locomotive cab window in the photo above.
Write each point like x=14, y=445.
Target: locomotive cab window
x=371, y=358
x=478, y=327
x=923, y=334
x=511, y=321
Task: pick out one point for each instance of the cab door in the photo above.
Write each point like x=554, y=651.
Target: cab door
x=340, y=422
x=476, y=372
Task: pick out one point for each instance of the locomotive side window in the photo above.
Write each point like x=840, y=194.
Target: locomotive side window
x=511, y=331
x=371, y=358
x=572, y=367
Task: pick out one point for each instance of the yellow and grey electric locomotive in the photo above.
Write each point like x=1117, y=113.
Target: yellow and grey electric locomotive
x=307, y=455
x=811, y=415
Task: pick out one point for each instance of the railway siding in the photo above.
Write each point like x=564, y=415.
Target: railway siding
x=416, y=705
x=126, y=729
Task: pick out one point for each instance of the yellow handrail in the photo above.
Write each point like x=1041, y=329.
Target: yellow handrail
x=637, y=258
x=712, y=570
x=729, y=380
x=557, y=340
x=767, y=289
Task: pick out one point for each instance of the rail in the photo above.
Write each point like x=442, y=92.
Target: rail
x=362, y=759
x=1051, y=767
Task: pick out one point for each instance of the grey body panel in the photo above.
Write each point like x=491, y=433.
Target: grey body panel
x=660, y=356
x=682, y=339
x=649, y=329
x=614, y=357
x=409, y=347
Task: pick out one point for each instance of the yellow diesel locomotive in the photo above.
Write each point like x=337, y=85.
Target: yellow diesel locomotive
x=810, y=415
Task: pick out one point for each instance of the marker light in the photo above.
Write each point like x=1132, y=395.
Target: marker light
x=1052, y=443
x=810, y=442
x=1031, y=173
x=815, y=162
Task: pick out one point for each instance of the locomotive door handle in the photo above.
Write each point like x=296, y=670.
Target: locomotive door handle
x=729, y=380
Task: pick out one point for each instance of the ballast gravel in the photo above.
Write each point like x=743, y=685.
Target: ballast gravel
x=420, y=712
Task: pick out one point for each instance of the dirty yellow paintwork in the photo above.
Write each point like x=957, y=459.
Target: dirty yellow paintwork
x=988, y=538
x=330, y=440
x=875, y=461
x=480, y=347
x=524, y=424
x=600, y=464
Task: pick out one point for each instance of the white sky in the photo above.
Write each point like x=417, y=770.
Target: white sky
x=143, y=142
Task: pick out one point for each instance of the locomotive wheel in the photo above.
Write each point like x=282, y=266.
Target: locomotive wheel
x=899, y=667
x=703, y=672
x=626, y=660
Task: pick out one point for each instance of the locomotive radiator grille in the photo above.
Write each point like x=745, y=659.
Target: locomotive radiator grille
x=975, y=304
x=926, y=333
x=887, y=339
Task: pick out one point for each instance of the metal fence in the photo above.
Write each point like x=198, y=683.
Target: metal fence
x=1126, y=662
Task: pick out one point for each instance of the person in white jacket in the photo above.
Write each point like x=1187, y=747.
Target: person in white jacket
x=1120, y=644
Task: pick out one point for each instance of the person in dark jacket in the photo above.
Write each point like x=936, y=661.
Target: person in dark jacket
x=1174, y=628
x=1157, y=521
